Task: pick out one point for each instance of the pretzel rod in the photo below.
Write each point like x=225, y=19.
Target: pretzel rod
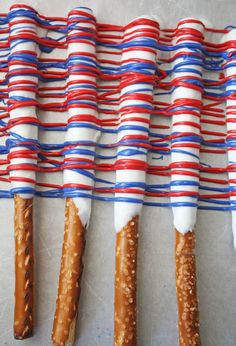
x=186, y=289
x=230, y=71
x=185, y=147
x=125, y=284
x=136, y=91
x=82, y=81
x=23, y=151
x=70, y=277
x=24, y=272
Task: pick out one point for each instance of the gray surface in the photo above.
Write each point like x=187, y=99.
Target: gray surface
x=156, y=296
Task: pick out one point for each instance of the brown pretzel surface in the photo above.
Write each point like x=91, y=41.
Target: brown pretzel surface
x=125, y=284
x=186, y=289
x=24, y=268
x=69, y=287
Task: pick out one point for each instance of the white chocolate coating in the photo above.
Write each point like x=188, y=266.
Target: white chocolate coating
x=125, y=211
x=26, y=130
x=185, y=216
x=80, y=133
x=231, y=126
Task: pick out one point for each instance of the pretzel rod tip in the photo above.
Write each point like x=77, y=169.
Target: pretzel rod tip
x=64, y=325
x=186, y=289
x=125, y=284
x=24, y=274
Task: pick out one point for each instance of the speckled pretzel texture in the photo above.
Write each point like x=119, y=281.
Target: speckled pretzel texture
x=125, y=284
x=186, y=289
x=70, y=277
x=24, y=272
